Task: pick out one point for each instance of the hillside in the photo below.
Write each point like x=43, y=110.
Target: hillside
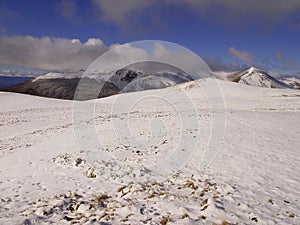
x=146, y=168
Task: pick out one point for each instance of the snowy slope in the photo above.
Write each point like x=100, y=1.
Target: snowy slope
x=46, y=178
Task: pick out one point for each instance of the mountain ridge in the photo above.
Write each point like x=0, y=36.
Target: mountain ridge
x=63, y=85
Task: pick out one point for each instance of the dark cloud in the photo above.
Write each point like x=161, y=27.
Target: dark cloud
x=231, y=12
x=7, y=14
x=216, y=64
x=279, y=65
x=69, y=10
x=130, y=16
x=118, y=11
x=267, y=9
x=283, y=63
x=279, y=55
x=241, y=55
x=2, y=30
x=296, y=26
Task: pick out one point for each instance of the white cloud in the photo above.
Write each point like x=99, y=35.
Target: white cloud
x=181, y=58
x=241, y=55
x=118, y=56
x=49, y=53
x=94, y=42
x=154, y=51
x=63, y=53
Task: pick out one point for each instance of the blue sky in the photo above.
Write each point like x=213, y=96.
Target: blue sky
x=228, y=34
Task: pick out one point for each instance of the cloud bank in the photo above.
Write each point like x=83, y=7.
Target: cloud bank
x=70, y=54
x=49, y=53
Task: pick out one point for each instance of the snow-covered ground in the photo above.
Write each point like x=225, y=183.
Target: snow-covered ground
x=48, y=175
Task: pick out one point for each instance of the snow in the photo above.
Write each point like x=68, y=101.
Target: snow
x=292, y=81
x=252, y=69
x=257, y=79
x=60, y=75
x=46, y=178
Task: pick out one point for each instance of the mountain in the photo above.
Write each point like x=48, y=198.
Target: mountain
x=63, y=85
x=292, y=82
x=136, y=77
x=256, y=77
x=132, y=79
x=61, y=88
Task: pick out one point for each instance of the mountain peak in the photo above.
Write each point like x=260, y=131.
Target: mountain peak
x=256, y=77
x=252, y=69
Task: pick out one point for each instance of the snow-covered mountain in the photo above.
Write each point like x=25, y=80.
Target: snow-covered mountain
x=130, y=79
x=256, y=77
x=60, y=75
x=293, y=82
x=167, y=74
x=137, y=77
